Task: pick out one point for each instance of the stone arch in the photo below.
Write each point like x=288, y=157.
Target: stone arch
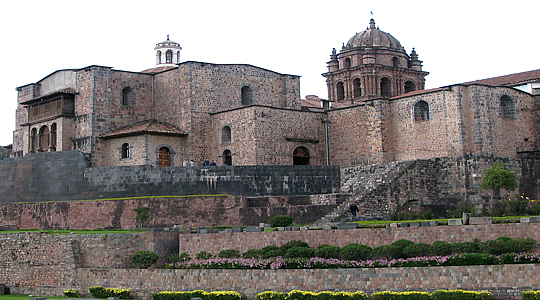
x=340, y=90
x=409, y=86
x=53, y=137
x=226, y=134
x=421, y=111
x=227, y=157
x=43, y=138
x=386, y=87
x=395, y=62
x=33, y=140
x=125, y=151
x=169, y=57
x=164, y=156
x=126, y=95
x=301, y=156
x=357, y=89
x=347, y=63
x=246, y=94
x=508, y=107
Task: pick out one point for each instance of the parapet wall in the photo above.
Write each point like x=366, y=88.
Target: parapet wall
x=65, y=176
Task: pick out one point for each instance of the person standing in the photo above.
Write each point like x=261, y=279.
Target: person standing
x=353, y=208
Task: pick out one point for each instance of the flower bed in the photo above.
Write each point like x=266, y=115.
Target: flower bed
x=329, y=263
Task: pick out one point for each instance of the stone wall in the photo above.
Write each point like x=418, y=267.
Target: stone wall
x=62, y=176
x=38, y=263
x=195, y=211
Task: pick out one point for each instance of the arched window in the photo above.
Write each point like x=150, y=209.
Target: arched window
x=227, y=158
x=410, y=86
x=168, y=57
x=177, y=56
x=226, y=134
x=386, y=87
x=44, y=138
x=158, y=57
x=125, y=153
x=164, y=157
x=508, y=107
x=53, y=137
x=347, y=63
x=421, y=111
x=356, y=87
x=301, y=156
x=340, y=91
x=395, y=62
x=246, y=95
x=126, y=94
x=33, y=140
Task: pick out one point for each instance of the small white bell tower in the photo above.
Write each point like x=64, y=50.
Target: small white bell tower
x=167, y=53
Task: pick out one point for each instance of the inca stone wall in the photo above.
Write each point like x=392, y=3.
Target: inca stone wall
x=62, y=176
x=196, y=211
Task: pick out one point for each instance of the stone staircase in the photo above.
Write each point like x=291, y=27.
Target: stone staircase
x=368, y=185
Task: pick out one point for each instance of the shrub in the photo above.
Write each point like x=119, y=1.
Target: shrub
x=389, y=295
x=469, y=259
x=524, y=245
x=294, y=243
x=465, y=247
x=203, y=255
x=281, y=221
x=460, y=294
x=71, y=293
x=387, y=252
x=327, y=251
x=167, y=295
x=224, y=295
x=253, y=253
x=356, y=252
x=101, y=292
x=531, y=295
x=182, y=257
x=402, y=243
x=301, y=295
x=144, y=259
x=273, y=253
x=416, y=250
x=300, y=252
x=229, y=253
x=440, y=248
x=199, y=294
x=270, y=295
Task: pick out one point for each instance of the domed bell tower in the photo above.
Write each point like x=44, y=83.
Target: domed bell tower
x=167, y=53
x=373, y=64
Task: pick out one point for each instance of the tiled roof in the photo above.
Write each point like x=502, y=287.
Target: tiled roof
x=509, y=80
x=158, y=69
x=144, y=127
x=62, y=91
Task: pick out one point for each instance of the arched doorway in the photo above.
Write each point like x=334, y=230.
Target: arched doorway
x=227, y=158
x=301, y=156
x=164, y=157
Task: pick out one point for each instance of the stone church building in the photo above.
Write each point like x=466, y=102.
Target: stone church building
x=238, y=114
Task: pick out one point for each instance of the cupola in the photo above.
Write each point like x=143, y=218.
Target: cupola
x=167, y=53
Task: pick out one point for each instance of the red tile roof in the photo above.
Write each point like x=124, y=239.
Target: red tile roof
x=418, y=92
x=509, y=80
x=158, y=69
x=145, y=127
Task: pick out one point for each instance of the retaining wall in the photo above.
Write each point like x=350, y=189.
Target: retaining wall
x=65, y=176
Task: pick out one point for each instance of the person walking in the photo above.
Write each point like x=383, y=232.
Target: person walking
x=353, y=209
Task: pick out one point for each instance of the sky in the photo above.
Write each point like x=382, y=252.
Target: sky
x=457, y=41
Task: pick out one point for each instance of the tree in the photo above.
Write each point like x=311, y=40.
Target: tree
x=497, y=178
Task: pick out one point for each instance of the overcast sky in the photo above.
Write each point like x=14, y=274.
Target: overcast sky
x=457, y=40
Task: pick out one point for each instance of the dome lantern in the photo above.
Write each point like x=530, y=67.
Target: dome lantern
x=167, y=53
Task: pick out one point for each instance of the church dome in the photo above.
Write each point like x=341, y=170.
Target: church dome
x=373, y=37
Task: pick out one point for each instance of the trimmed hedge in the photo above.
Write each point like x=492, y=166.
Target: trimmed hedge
x=460, y=295
x=388, y=295
x=103, y=292
x=531, y=295
x=221, y=295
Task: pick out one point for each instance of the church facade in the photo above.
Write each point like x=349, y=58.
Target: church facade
x=378, y=111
